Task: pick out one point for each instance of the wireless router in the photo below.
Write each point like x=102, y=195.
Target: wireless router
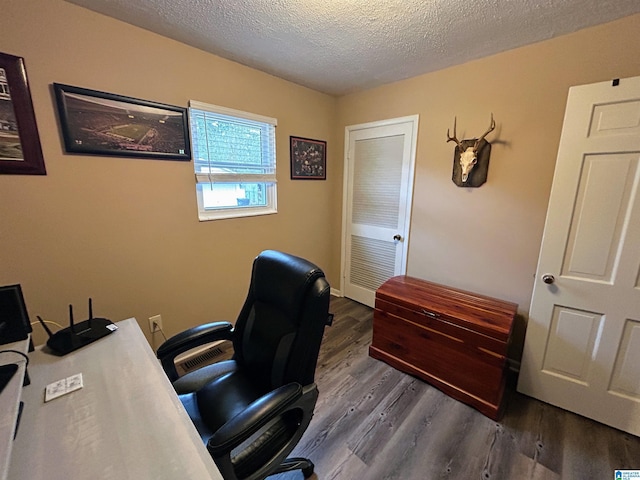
x=77, y=335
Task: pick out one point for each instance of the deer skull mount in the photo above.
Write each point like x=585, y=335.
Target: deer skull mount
x=471, y=158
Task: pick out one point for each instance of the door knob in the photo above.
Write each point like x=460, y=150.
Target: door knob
x=397, y=237
x=548, y=278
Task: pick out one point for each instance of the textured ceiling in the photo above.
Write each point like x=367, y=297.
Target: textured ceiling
x=342, y=46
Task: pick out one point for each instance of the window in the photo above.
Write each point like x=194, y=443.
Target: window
x=234, y=157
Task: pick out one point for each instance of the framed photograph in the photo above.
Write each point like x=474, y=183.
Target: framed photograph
x=20, y=149
x=99, y=123
x=308, y=159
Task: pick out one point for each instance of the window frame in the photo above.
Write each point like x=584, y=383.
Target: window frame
x=269, y=180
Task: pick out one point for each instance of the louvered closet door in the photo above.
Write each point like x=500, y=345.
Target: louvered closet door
x=378, y=182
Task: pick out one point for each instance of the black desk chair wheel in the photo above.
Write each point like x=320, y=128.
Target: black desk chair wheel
x=252, y=410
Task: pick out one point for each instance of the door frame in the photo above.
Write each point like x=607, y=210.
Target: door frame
x=348, y=130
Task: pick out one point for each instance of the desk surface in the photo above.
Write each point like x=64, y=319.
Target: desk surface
x=125, y=423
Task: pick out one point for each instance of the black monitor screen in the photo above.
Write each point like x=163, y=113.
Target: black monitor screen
x=14, y=319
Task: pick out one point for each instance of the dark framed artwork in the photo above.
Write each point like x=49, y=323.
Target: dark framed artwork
x=100, y=123
x=20, y=149
x=308, y=159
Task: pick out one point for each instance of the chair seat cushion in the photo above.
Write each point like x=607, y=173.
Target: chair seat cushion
x=225, y=397
x=194, y=381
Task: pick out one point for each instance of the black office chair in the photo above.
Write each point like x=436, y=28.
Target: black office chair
x=251, y=411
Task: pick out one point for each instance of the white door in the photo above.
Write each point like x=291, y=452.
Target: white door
x=582, y=347
x=378, y=183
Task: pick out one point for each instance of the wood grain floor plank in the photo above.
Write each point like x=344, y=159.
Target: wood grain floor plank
x=410, y=444
x=524, y=468
x=383, y=419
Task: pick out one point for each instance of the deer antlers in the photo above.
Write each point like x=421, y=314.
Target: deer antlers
x=454, y=139
x=492, y=126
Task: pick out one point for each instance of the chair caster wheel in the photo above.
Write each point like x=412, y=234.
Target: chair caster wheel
x=308, y=471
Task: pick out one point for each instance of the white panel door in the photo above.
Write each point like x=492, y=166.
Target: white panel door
x=582, y=347
x=379, y=169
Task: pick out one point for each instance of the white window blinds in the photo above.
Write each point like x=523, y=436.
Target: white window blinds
x=231, y=146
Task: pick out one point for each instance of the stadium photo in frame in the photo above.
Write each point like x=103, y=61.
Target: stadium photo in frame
x=308, y=159
x=99, y=123
x=20, y=149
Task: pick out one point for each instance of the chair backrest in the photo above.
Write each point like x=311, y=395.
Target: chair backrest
x=280, y=327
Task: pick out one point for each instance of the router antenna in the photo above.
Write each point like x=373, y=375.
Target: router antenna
x=90, y=311
x=71, y=318
x=44, y=325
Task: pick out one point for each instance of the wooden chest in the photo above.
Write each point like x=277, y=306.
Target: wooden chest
x=455, y=340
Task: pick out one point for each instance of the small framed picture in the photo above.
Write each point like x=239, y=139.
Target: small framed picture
x=308, y=159
x=101, y=123
x=20, y=149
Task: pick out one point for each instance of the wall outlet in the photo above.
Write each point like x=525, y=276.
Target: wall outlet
x=155, y=323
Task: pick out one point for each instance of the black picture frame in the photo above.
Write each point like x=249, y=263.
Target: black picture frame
x=308, y=158
x=20, y=148
x=100, y=123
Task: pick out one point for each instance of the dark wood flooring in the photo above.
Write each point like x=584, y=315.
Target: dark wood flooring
x=373, y=422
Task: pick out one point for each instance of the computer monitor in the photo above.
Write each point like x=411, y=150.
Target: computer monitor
x=14, y=319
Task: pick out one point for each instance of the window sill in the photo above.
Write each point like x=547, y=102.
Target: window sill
x=236, y=213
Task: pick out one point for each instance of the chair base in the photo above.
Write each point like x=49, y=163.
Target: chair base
x=296, y=463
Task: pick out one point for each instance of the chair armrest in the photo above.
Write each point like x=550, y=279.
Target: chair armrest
x=191, y=338
x=253, y=418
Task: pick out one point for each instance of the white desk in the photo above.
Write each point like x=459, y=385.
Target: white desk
x=125, y=423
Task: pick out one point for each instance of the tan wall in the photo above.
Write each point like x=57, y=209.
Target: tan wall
x=125, y=231
x=487, y=239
